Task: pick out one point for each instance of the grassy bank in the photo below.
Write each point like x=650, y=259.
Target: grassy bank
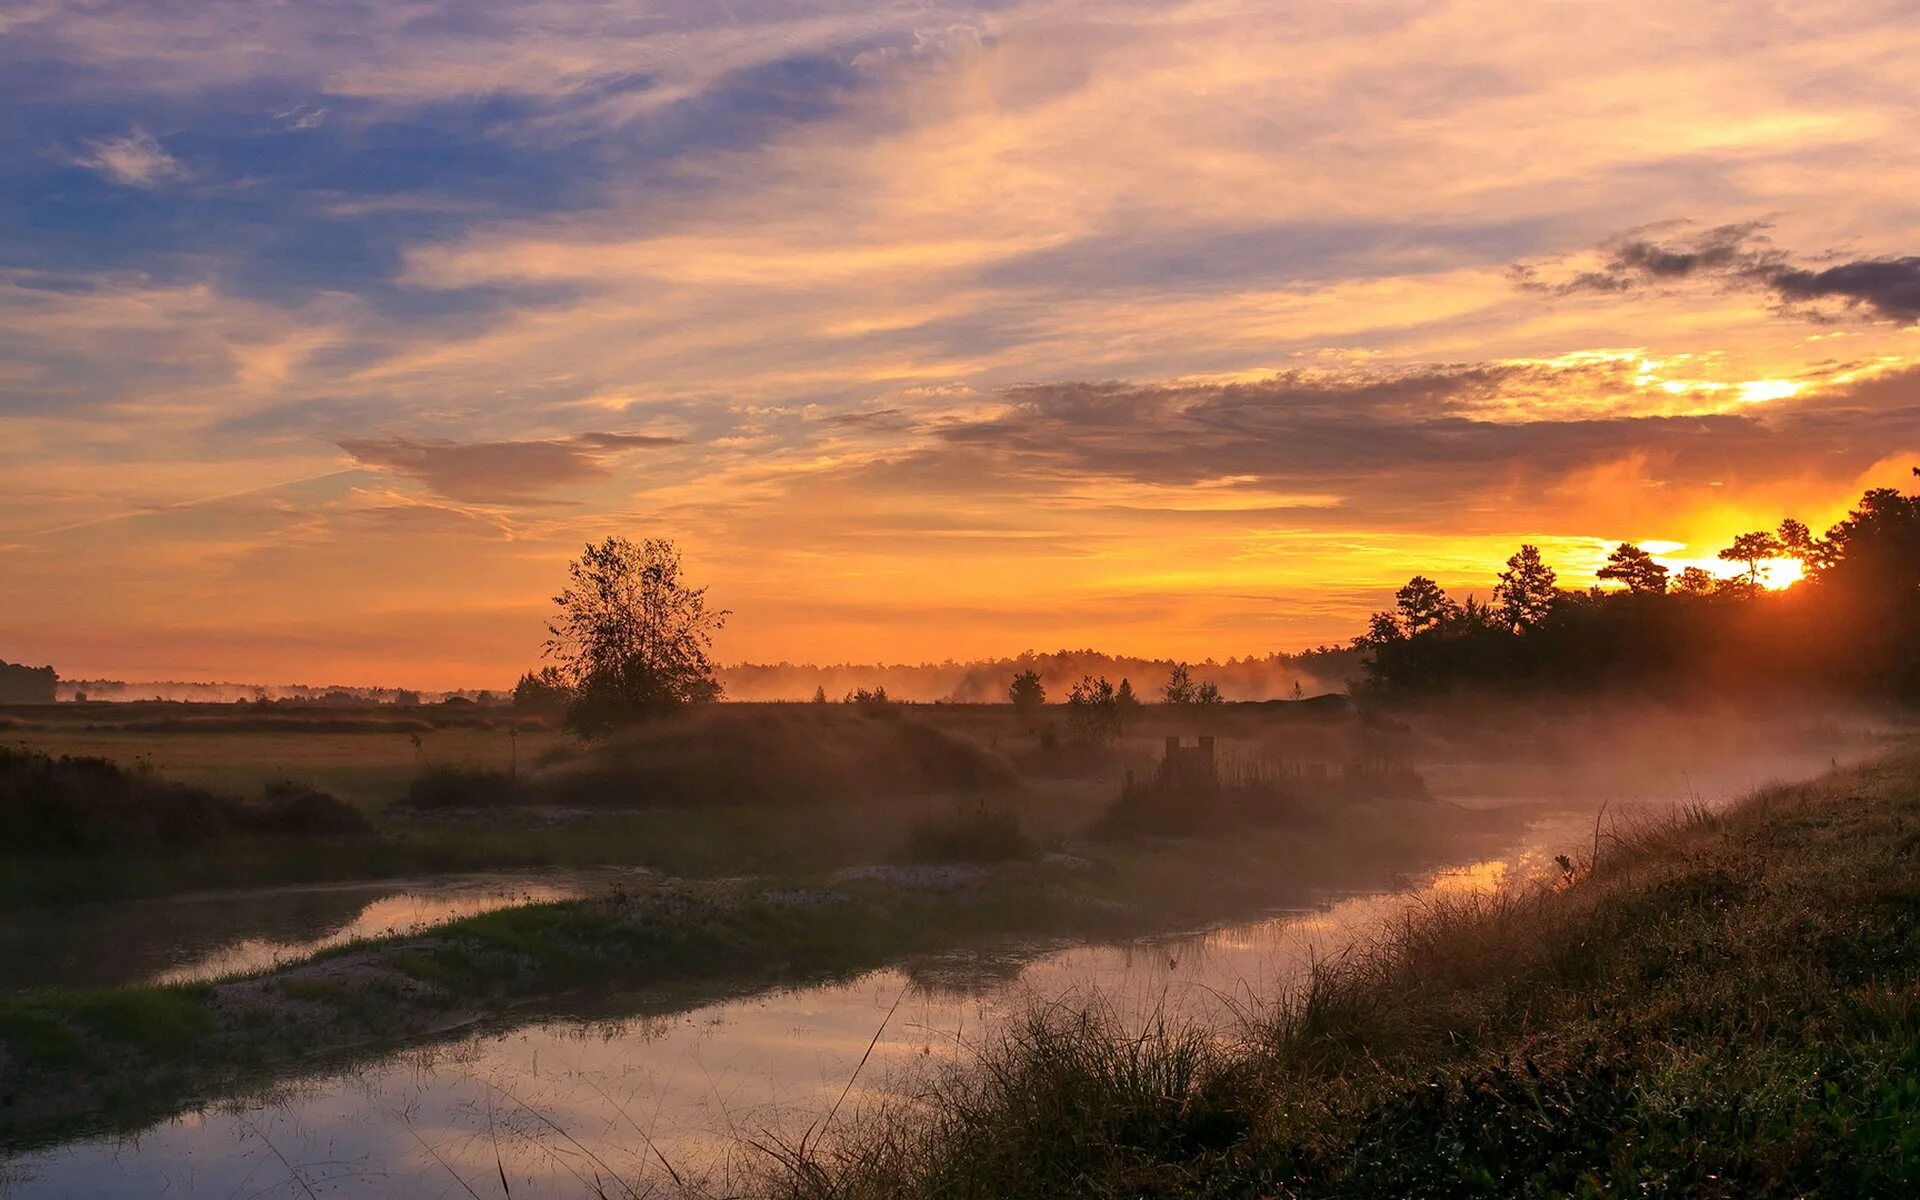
x=1725, y=1006
x=120, y=1058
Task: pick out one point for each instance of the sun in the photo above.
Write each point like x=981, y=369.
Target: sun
x=1776, y=574
x=1779, y=574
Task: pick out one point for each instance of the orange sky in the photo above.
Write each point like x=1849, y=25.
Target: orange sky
x=926, y=330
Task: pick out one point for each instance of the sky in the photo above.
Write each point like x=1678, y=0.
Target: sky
x=330, y=331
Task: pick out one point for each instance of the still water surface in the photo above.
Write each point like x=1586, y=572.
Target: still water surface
x=215, y=934
x=562, y=1106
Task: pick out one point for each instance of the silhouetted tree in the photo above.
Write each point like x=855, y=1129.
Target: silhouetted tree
x=1383, y=628
x=1868, y=575
x=1634, y=567
x=1797, y=542
x=1182, y=688
x=545, y=690
x=820, y=694
x=1852, y=623
x=1694, y=581
x=1475, y=617
x=1752, y=549
x=1876, y=548
x=1093, y=710
x=631, y=639
x=1525, y=593
x=1179, y=687
x=1422, y=605
x=1027, y=694
x=21, y=684
x=1125, y=704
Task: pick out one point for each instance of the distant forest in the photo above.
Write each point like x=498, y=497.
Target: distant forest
x=1850, y=625
x=984, y=681
x=21, y=684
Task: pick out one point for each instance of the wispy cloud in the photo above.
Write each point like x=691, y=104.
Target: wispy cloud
x=507, y=472
x=135, y=159
x=1199, y=313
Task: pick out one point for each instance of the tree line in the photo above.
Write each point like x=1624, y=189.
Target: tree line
x=631, y=639
x=1850, y=623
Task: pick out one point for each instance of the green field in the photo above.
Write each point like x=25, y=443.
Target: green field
x=374, y=770
x=370, y=768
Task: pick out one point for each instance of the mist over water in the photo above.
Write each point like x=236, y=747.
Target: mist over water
x=647, y=1087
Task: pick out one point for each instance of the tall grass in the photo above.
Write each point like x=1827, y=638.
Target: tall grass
x=1722, y=1005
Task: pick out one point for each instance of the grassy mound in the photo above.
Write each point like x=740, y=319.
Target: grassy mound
x=727, y=756
x=73, y=805
x=1727, y=1007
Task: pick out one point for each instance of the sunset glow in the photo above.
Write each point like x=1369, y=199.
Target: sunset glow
x=926, y=330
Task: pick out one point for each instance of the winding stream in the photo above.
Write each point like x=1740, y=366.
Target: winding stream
x=214, y=934
x=560, y=1105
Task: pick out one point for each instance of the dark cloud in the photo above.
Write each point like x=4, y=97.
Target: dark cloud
x=1742, y=256
x=1888, y=286
x=1426, y=449
x=498, y=472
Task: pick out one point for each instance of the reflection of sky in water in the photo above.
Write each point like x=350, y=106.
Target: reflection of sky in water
x=565, y=1105
x=565, y=1102
x=211, y=935
x=405, y=912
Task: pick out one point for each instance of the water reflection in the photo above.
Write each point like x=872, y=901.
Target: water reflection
x=626, y=1104
x=666, y=1092
x=207, y=936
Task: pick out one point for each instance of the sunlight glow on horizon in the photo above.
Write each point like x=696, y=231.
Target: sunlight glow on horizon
x=925, y=330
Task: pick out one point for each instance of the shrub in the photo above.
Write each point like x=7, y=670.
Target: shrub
x=73, y=805
x=972, y=835
x=466, y=787
x=289, y=807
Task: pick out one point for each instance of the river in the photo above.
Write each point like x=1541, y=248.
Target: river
x=650, y=1087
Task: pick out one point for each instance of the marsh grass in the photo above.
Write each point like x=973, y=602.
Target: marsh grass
x=976, y=833
x=1719, y=1005
x=68, y=805
x=56, y=1028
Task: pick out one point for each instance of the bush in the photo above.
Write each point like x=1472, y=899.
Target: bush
x=289, y=807
x=466, y=787
x=976, y=835
x=79, y=805
x=72, y=804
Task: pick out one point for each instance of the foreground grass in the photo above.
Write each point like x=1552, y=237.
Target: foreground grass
x=78, y=1061
x=1728, y=1006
